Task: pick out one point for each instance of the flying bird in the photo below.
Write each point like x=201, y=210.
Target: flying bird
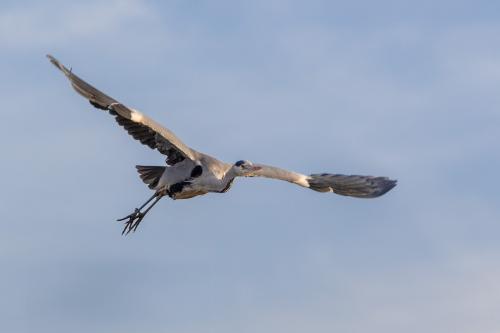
x=189, y=173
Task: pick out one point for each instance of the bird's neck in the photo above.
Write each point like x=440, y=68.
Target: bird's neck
x=227, y=180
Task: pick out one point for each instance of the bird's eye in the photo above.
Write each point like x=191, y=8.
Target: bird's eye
x=239, y=163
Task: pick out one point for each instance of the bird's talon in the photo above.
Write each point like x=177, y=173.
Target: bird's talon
x=133, y=221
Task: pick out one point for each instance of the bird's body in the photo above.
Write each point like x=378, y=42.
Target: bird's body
x=189, y=173
x=188, y=179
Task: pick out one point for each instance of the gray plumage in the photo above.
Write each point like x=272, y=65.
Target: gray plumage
x=141, y=127
x=189, y=173
x=353, y=186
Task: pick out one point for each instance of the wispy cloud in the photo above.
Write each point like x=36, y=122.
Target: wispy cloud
x=58, y=22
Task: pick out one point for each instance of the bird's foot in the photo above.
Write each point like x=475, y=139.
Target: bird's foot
x=133, y=221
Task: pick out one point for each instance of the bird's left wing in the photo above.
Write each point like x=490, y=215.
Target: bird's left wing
x=138, y=125
x=349, y=185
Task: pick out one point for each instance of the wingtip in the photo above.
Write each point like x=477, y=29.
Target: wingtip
x=52, y=59
x=386, y=185
x=56, y=63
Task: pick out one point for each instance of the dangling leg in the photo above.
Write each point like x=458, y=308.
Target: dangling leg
x=134, y=219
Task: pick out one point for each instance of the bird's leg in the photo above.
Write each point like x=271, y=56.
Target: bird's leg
x=136, y=224
x=135, y=218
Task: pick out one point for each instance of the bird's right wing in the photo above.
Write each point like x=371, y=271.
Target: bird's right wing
x=349, y=185
x=138, y=125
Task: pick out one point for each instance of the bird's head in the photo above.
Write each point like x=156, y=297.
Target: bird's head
x=244, y=168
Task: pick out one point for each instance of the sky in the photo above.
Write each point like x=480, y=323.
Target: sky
x=405, y=89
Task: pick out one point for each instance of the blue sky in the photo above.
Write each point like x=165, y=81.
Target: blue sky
x=406, y=89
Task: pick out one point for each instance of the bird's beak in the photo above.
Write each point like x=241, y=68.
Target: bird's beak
x=255, y=168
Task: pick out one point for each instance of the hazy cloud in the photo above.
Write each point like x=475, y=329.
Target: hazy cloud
x=59, y=21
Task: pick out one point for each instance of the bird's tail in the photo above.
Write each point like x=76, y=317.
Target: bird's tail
x=353, y=186
x=150, y=174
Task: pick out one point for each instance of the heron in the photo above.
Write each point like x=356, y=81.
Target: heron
x=188, y=173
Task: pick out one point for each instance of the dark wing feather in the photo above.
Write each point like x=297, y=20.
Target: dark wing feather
x=139, y=132
x=351, y=185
